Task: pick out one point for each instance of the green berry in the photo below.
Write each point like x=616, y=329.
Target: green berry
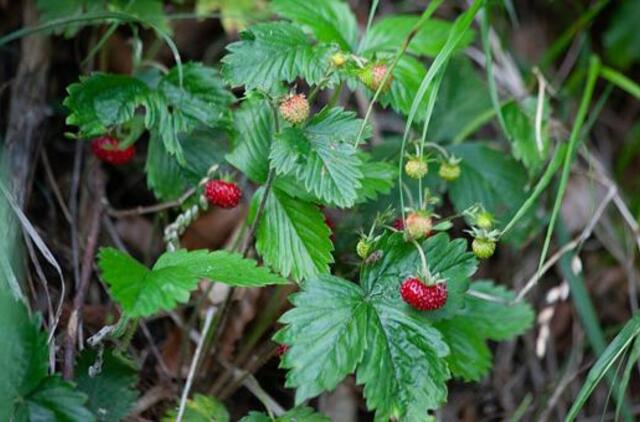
x=483, y=248
x=449, y=171
x=484, y=220
x=362, y=248
x=338, y=59
x=416, y=168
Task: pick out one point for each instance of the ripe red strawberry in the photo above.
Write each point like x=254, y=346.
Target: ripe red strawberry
x=295, y=108
x=373, y=75
x=107, y=149
x=423, y=297
x=281, y=350
x=398, y=224
x=223, y=194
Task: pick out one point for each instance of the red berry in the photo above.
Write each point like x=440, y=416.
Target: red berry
x=328, y=221
x=223, y=194
x=398, y=224
x=423, y=297
x=107, y=149
x=281, y=350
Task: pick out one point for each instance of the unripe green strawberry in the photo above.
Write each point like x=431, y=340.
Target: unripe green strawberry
x=362, y=248
x=418, y=225
x=373, y=75
x=338, y=59
x=295, y=108
x=483, y=248
x=416, y=168
x=484, y=220
x=449, y=171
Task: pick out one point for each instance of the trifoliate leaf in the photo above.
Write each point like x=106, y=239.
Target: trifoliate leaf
x=325, y=331
x=448, y=259
x=482, y=319
x=297, y=414
x=330, y=21
x=490, y=178
x=388, y=34
x=102, y=101
x=23, y=353
x=54, y=400
x=253, y=123
x=269, y=53
x=141, y=291
x=111, y=393
x=292, y=237
x=322, y=156
x=201, y=409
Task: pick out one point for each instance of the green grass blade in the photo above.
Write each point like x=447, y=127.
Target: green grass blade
x=605, y=362
x=458, y=31
x=620, y=81
x=574, y=138
x=634, y=355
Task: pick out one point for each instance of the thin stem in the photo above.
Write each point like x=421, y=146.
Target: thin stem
x=423, y=260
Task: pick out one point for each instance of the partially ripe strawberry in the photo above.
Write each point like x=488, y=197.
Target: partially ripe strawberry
x=416, y=168
x=373, y=75
x=107, y=149
x=483, y=248
x=223, y=194
x=295, y=108
x=449, y=171
x=423, y=297
x=418, y=224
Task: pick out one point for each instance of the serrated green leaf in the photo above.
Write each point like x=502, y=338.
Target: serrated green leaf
x=23, y=353
x=297, y=414
x=328, y=20
x=403, y=372
x=490, y=178
x=479, y=321
x=142, y=292
x=322, y=156
x=448, y=259
x=253, y=123
x=520, y=122
x=201, y=409
x=378, y=178
x=111, y=393
x=164, y=174
x=326, y=332
x=269, y=53
x=292, y=237
x=54, y=400
x=388, y=34
x=407, y=76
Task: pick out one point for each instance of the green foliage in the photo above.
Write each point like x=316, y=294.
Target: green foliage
x=622, y=37
x=100, y=102
x=27, y=392
x=292, y=237
x=388, y=34
x=111, y=393
x=322, y=156
x=328, y=20
x=297, y=414
x=479, y=321
x=269, y=53
x=488, y=177
x=201, y=409
x=142, y=291
x=520, y=122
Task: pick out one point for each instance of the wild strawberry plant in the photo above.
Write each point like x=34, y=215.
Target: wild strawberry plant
x=402, y=314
